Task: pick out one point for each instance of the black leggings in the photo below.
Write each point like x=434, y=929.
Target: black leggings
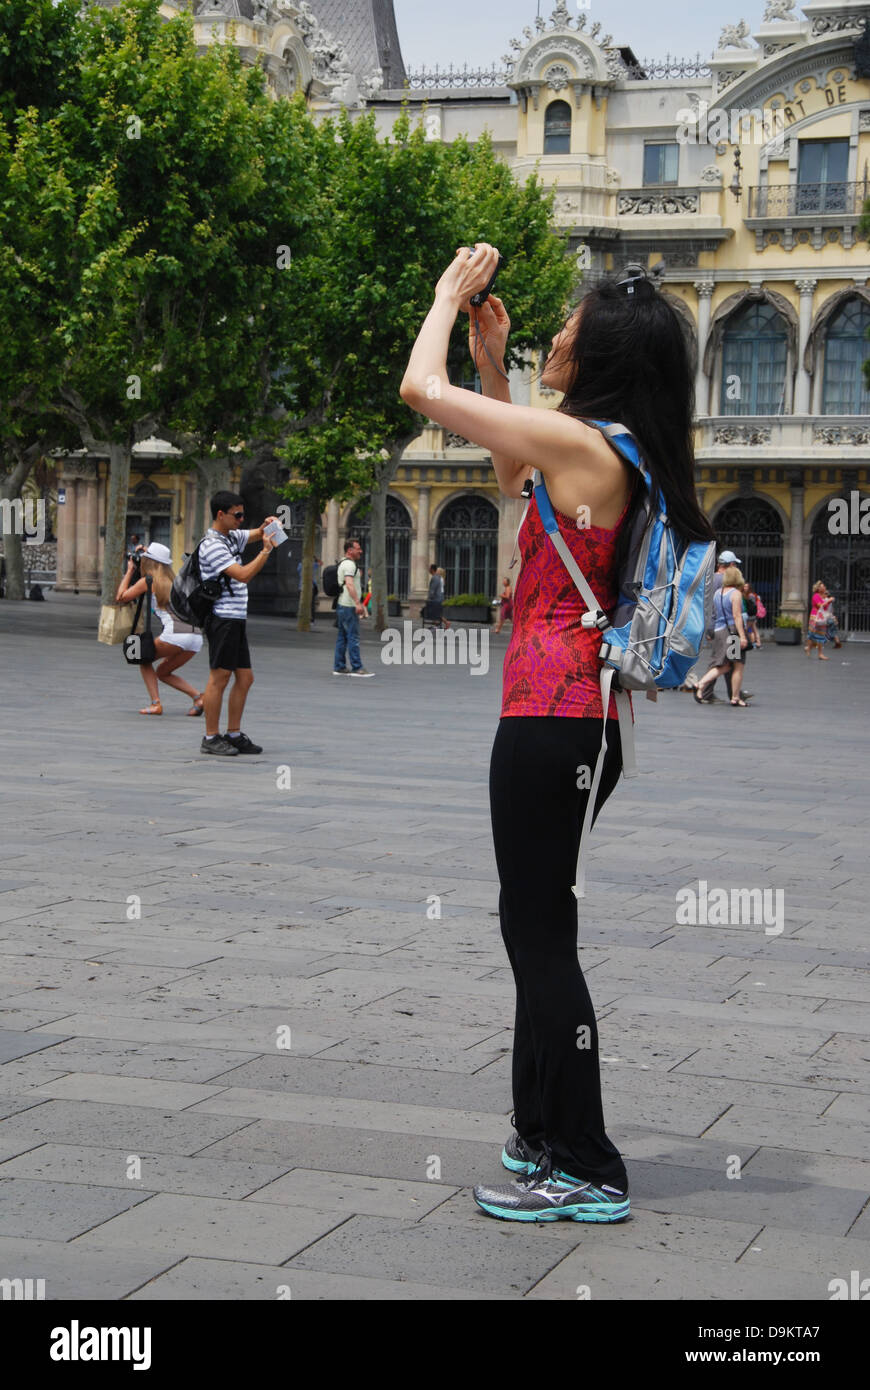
x=537, y=811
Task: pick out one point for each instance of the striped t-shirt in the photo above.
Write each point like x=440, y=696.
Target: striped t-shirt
x=217, y=553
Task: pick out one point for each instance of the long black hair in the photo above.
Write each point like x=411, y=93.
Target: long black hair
x=632, y=366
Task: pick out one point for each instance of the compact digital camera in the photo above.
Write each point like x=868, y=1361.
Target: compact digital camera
x=483, y=295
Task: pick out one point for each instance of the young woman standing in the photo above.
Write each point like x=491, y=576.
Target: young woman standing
x=621, y=357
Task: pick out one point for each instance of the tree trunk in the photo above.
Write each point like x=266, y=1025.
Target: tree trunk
x=379, y=554
x=212, y=475
x=116, y=519
x=385, y=472
x=13, y=555
x=11, y=485
x=305, y=584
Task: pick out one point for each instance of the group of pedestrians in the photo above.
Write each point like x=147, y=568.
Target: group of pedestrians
x=225, y=630
x=733, y=632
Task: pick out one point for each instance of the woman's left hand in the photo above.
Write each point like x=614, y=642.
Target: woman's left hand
x=467, y=275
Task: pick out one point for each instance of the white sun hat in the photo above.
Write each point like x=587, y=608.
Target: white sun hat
x=161, y=553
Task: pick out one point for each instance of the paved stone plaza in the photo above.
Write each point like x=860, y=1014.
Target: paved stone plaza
x=341, y=1168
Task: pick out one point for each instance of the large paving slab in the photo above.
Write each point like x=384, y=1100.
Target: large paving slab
x=293, y=1007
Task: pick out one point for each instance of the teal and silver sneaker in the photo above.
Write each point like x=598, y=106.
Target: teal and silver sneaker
x=519, y=1157
x=546, y=1196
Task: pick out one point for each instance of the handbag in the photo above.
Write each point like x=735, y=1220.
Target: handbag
x=139, y=649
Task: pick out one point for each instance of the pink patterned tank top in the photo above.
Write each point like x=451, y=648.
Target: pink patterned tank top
x=551, y=666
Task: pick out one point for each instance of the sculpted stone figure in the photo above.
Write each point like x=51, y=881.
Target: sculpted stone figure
x=735, y=35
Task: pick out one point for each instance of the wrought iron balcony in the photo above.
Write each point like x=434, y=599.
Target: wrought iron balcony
x=780, y=201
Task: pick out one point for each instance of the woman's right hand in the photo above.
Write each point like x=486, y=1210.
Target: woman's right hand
x=494, y=326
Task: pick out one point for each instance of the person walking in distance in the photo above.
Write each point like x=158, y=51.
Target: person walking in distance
x=229, y=657
x=348, y=611
x=820, y=617
x=729, y=638
x=621, y=357
x=506, y=608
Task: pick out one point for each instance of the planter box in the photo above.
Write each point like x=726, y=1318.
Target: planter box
x=394, y=608
x=459, y=613
x=787, y=636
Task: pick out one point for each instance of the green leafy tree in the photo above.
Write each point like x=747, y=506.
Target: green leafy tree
x=182, y=181
x=393, y=210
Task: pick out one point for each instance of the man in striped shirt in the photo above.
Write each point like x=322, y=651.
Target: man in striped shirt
x=220, y=555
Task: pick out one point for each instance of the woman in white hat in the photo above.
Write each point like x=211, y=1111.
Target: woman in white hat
x=178, y=643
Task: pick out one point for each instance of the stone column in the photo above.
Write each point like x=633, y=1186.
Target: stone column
x=67, y=536
x=803, y=385
x=793, y=576
x=332, y=552
x=420, y=561
x=89, y=578
x=510, y=514
x=704, y=289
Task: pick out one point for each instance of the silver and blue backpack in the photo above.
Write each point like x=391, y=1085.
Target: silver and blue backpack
x=653, y=637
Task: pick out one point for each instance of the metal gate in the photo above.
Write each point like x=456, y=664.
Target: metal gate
x=842, y=563
x=398, y=544
x=468, y=547
x=753, y=530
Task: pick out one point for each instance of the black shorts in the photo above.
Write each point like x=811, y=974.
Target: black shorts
x=227, y=644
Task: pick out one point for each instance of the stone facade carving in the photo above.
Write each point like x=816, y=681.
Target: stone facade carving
x=557, y=76
x=656, y=204
x=779, y=10
x=841, y=434
x=726, y=76
x=741, y=434
x=735, y=35
x=864, y=120
x=711, y=173
x=836, y=23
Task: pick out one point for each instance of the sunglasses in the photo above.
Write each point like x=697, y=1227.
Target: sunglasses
x=238, y=515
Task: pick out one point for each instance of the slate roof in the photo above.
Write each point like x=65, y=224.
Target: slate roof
x=367, y=28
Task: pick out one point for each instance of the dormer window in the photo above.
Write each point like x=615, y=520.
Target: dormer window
x=557, y=128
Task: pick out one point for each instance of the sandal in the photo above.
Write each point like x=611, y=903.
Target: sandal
x=154, y=708
x=196, y=708
x=740, y=704
x=697, y=696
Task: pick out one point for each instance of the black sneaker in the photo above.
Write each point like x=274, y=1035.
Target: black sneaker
x=243, y=744
x=220, y=746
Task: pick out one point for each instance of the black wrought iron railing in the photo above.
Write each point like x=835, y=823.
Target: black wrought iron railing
x=783, y=200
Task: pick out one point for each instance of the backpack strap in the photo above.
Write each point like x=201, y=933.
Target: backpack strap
x=597, y=618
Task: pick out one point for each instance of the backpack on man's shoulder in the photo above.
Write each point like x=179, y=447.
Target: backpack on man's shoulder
x=192, y=598
x=331, y=586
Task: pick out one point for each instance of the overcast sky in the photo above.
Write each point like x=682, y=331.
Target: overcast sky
x=478, y=31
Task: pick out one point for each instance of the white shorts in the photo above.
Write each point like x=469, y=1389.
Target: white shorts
x=187, y=641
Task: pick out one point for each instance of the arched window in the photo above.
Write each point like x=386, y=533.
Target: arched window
x=468, y=546
x=754, y=354
x=557, y=128
x=847, y=348
x=398, y=539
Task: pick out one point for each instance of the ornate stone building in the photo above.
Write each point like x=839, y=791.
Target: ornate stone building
x=745, y=175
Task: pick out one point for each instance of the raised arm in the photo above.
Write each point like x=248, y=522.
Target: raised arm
x=524, y=436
